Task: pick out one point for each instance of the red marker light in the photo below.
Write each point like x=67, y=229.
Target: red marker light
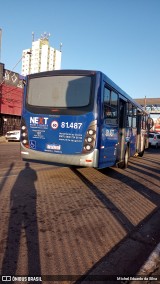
x=54, y=110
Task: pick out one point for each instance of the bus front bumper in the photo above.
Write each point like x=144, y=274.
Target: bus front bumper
x=84, y=160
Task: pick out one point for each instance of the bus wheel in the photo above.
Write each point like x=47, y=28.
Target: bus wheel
x=126, y=158
x=124, y=164
x=140, y=154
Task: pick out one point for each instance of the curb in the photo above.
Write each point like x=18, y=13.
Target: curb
x=149, y=267
x=152, y=262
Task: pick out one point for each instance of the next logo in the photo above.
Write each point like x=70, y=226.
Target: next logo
x=38, y=120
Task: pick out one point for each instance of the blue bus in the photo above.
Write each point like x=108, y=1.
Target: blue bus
x=80, y=118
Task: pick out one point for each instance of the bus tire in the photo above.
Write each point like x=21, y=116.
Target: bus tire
x=140, y=154
x=126, y=158
x=124, y=163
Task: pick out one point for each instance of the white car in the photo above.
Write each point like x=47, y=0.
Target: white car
x=13, y=135
x=154, y=139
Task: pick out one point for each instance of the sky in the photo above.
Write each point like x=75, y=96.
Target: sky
x=118, y=37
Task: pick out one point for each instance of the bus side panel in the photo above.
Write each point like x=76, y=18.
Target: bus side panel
x=108, y=147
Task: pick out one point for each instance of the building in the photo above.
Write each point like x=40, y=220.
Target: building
x=40, y=57
x=11, y=94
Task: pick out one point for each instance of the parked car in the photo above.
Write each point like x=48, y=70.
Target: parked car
x=154, y=139
x=13, y=135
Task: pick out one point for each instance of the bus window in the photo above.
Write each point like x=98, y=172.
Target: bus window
x=129, y=115
x=60, y=91
x=110, y=106
x=106, y=96
x=122, y=113
x=139, y=118
x=134, y=119
x=114, y=103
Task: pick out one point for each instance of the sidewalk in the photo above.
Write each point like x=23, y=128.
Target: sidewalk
x=152, y=263
x=151, y=268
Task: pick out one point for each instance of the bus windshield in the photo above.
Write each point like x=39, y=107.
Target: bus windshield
x=59, y=91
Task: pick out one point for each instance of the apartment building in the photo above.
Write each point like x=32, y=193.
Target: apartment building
x=40, y=57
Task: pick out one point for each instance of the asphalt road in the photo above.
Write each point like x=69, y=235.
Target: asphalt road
x=76, y=224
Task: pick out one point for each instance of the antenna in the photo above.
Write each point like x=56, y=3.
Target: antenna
x=45, y=36
x=32, y=36
x=61, y=47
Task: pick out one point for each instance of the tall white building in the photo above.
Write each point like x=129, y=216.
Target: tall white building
x=41, y=57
